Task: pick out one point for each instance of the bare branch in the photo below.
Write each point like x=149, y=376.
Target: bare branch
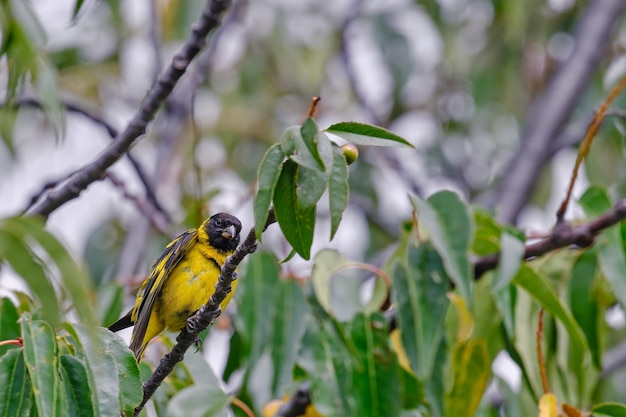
x=563, y=235
x=154, y=99
x=553, y=108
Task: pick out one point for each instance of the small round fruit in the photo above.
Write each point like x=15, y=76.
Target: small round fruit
x=351, y=152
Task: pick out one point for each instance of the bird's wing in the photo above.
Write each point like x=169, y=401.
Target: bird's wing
x=159, y=272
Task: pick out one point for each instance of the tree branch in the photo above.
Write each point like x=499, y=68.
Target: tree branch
x=112, y=132
x=204, y=317
x=562, y=236
x=155, y=98
x=553, y=108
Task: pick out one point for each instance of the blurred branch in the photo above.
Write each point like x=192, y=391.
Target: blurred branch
x=552, y=109
x=112, y=132
x=154, y=99
x=562, y=236
x=204, y=317
x=149, y=211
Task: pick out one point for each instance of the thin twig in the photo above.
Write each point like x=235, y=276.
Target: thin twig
x=155, y=98
x=540, y=359
x=204, y=317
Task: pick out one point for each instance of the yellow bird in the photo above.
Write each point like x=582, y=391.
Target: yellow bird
x=181, y=280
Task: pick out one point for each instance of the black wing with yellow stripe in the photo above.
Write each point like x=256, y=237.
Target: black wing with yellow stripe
x=149, y=291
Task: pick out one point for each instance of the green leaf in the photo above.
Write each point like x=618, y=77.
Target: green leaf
x=609, y=244
x=505, y=303
x=338, y=189
x=16, y=396
x=449, y=226
x=511, y=256
x=293, y=146
x=73, y=277
x=28, y=266
x=310, y=186
x=375, y=388
x=269, y=172
x=9, y=327
x=610, y=409
x=199, y=401
x=309, y=132
x=256, y=292
x=296, y=224
x=76, y=381
x=583, y=302
x=470, y=373
x=487, y=235
x=368, y=135
x=419, y=293
x=289, y=308
x=114, y=378
x=40, y=356
x=542, y=291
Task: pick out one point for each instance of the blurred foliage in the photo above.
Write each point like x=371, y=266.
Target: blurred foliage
x=454, y=78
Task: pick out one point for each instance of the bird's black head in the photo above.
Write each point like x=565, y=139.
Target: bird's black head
x=223, y=230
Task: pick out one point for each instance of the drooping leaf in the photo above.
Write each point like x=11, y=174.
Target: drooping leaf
x=367, y=135
x=419, y=293
x=338, y=189
x=542, y=291
x=584, y=305
x=450, y=229
x=293, y=146
x=269, y=172
x=327, y=263
x=73, y=277
x=16, y=396
x=76, y=382
x=296, y=224
x=470, y=368
x=28, y=266
x=40, y=357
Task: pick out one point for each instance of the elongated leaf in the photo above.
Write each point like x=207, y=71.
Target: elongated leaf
x=375, y=389
x=296, y=224
x=511, y=255
x=113, y=373
x=610, y=409
x=16, y=396
x=327, y=263
x=288, y=320
x=40, y=356
x=76, y=383
x=73, y=277
x=541, y=290
x=309, y=132
x=199, y=401
x=257, y=292
x=28, y=266
x=269, y=172
x=9, y=327
x=450, y=229
x=584, y=306
x=470, y=373
x=419, y=293
x=310, y=186
x=368, y=135
x=338, y=189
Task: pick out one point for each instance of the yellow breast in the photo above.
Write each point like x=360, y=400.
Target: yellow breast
x=190, y=285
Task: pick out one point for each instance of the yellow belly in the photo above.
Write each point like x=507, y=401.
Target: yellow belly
x=189, y=286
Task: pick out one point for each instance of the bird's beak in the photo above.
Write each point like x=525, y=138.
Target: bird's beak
x=229, y=233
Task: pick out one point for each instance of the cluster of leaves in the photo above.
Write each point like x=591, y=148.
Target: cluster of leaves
x=295, y=173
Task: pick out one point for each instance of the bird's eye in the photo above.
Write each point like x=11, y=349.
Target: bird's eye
x=218, y=222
